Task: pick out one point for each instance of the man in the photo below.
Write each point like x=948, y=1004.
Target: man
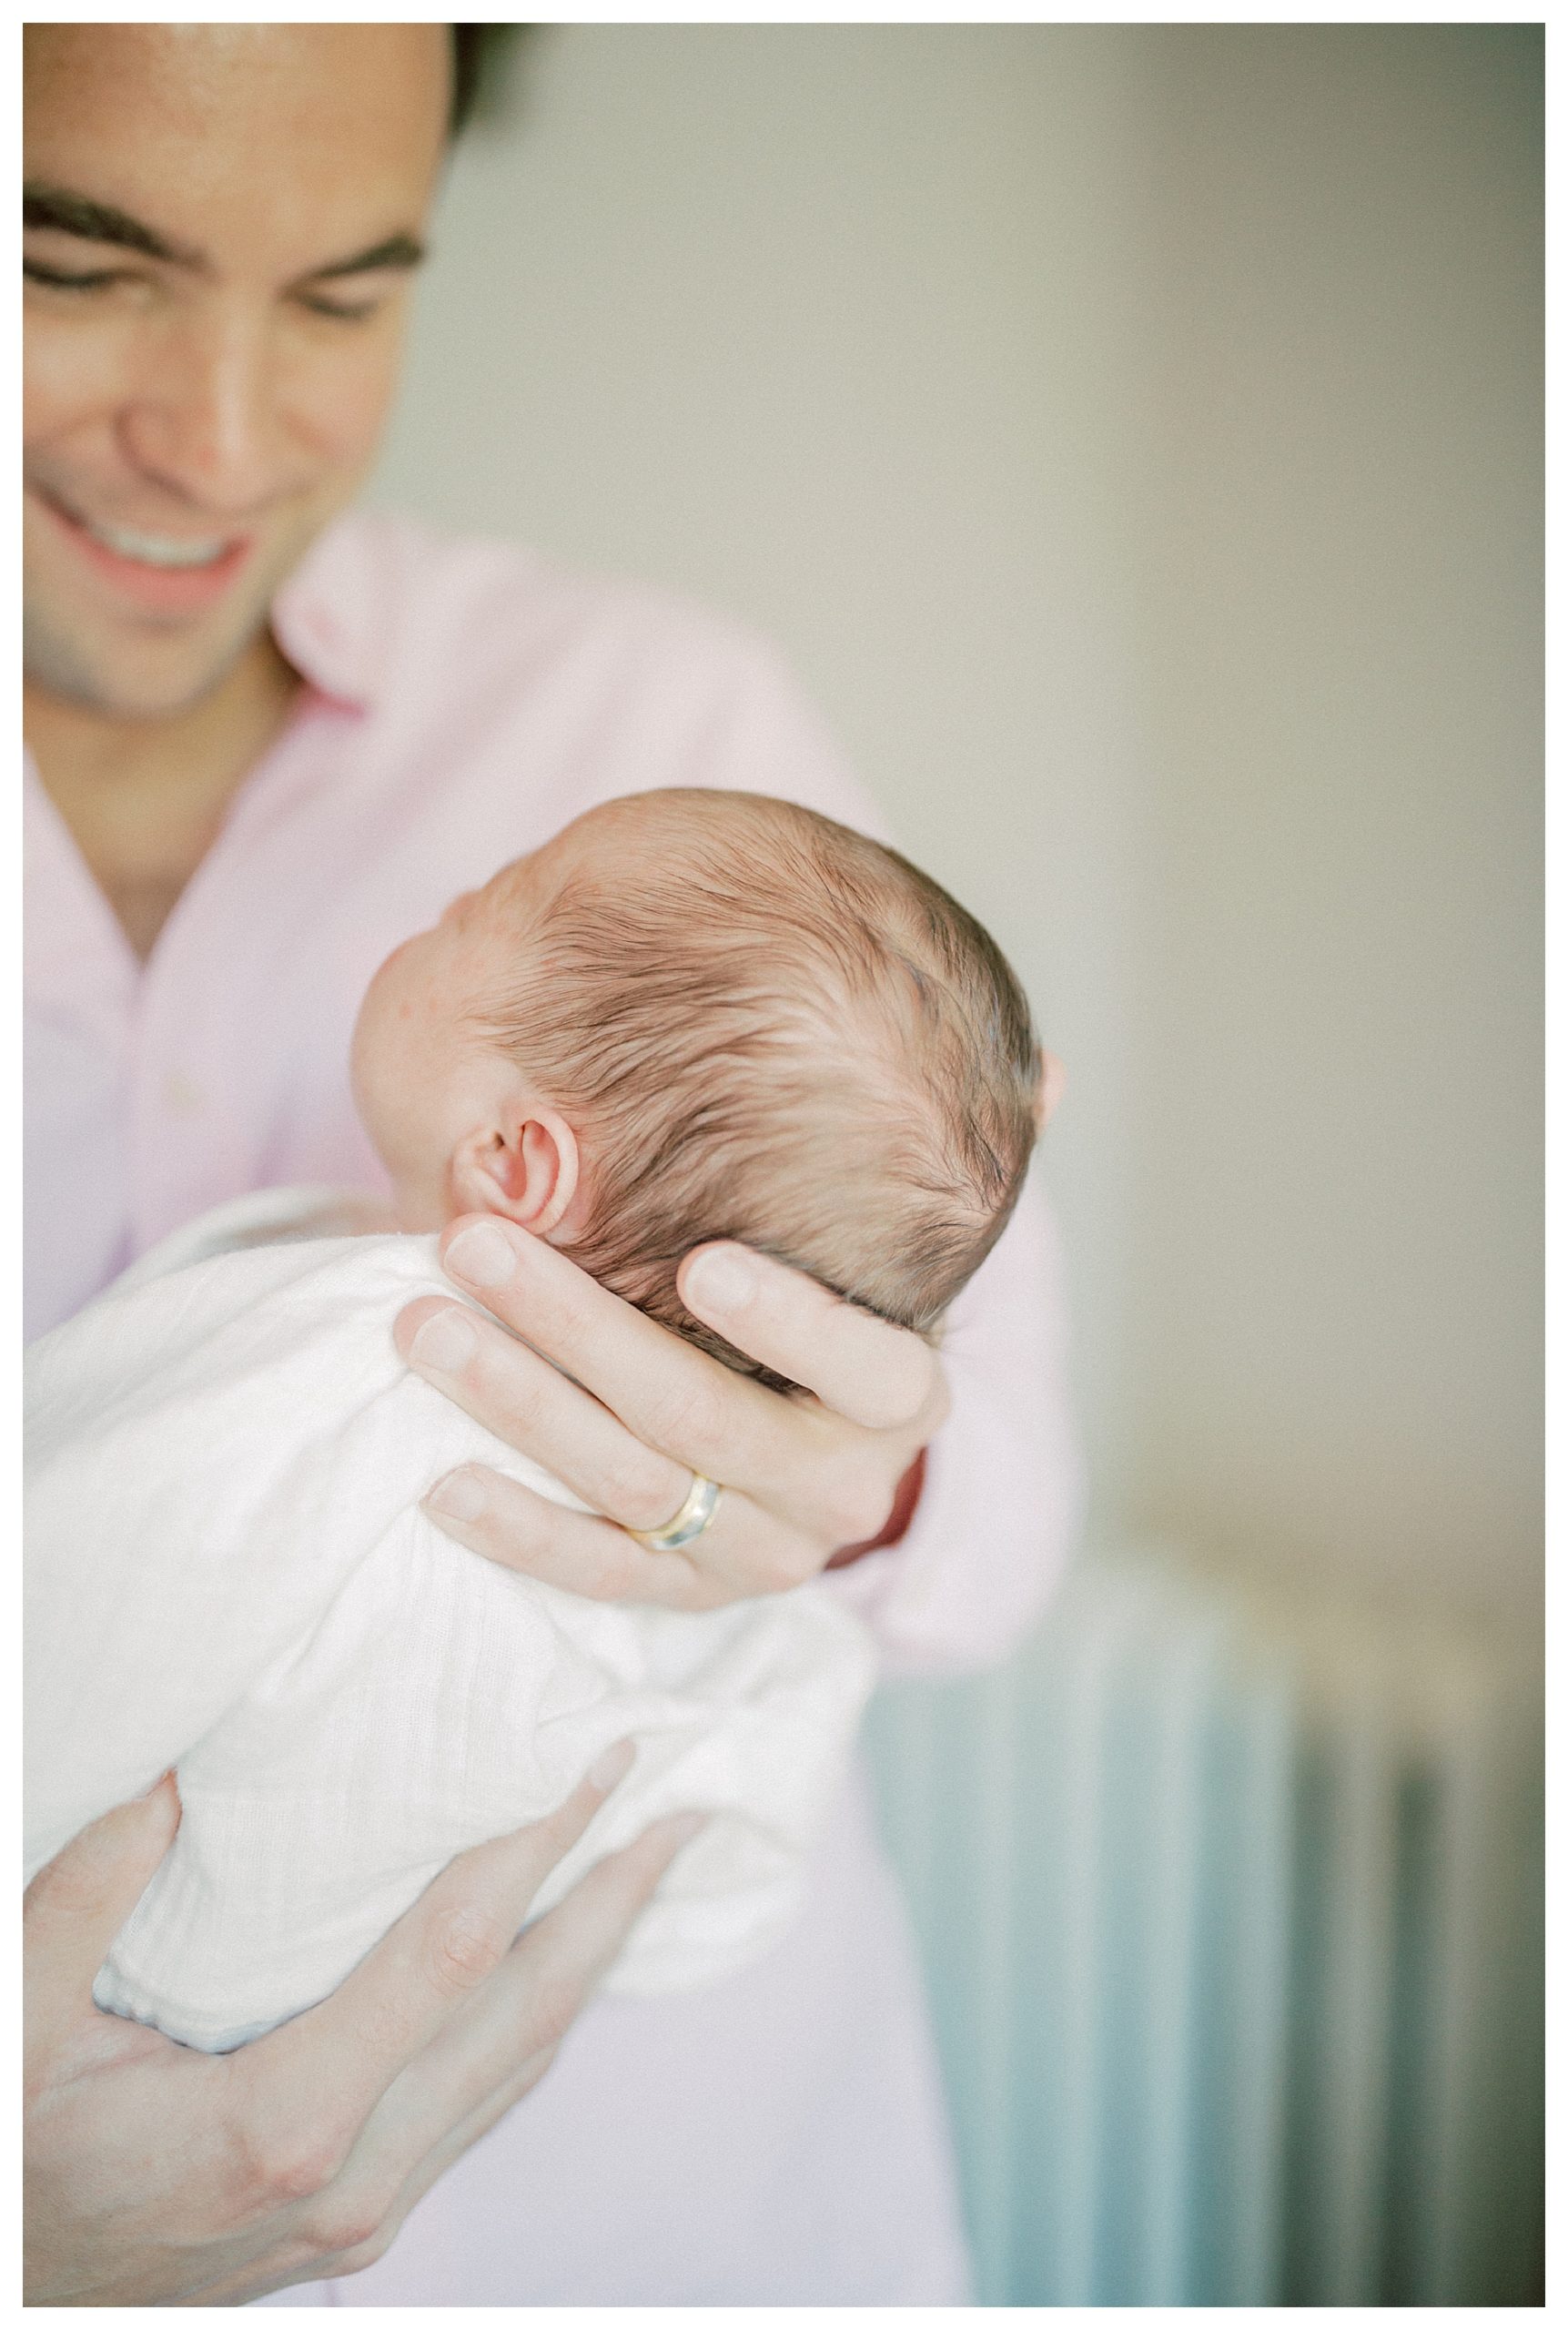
x=267, y=746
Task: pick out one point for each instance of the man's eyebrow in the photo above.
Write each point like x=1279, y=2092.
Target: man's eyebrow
x=58, y=208
x=398, y=250
x=55, y=207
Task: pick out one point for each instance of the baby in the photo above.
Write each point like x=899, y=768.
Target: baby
x=691, y=1016
x=702, y=1015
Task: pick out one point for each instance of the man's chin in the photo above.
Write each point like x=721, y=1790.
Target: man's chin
x=153, y=677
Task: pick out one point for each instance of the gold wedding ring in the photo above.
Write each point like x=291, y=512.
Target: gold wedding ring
x=701, y=1503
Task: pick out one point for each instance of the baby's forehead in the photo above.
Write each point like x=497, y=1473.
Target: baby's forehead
x=610, y=829
x=664, y=818
x=617, y=848
x=639, y=834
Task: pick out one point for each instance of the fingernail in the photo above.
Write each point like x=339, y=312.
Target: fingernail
x=612, y=1766
x=483, y=1256
x=156, y=1785
x=722, y=1280
x=459, y=1498
x=444, y=1343
x=685, y=1825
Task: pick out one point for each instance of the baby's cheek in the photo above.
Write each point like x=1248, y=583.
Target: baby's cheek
x=380, y=1076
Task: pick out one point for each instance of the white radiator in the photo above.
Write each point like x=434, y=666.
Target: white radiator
x=1231, y=1914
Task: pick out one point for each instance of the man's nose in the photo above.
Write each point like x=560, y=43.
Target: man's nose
x=206, y=417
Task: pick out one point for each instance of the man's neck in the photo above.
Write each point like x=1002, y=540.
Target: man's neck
x=144, y=799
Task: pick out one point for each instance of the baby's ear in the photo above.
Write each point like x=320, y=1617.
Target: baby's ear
x=527, y=1169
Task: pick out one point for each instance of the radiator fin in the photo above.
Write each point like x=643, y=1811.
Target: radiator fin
x=1230, y=1907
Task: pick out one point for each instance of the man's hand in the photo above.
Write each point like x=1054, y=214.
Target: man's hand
x=156, y=2176
x=624, y=1412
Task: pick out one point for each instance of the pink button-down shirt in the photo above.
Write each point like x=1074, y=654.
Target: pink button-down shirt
x=463, y=702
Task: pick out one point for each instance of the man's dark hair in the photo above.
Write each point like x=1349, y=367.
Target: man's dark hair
x=477, y=53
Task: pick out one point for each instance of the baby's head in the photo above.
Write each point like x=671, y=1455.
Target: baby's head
x=699, y=1015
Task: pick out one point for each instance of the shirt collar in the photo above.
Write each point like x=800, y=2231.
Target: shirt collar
x=330, y=618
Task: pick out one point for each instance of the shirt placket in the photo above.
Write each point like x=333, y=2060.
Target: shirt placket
x=197, y=1093
x=81, y=981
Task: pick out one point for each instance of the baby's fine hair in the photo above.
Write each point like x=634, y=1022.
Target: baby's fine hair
x=782, y=1032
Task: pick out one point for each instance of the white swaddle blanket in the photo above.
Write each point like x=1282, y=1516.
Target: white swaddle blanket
x=226, y=1570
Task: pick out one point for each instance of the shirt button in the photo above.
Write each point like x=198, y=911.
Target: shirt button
x=181, y=1095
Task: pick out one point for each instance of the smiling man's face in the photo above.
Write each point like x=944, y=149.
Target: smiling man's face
x=220, y=225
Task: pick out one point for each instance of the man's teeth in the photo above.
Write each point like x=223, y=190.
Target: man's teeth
x=155, y=550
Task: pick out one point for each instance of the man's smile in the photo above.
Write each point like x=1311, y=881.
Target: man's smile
x=167, y=574
x=156, y=549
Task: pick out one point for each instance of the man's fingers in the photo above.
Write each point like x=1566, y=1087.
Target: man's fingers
x=529, y=1403
x=512, y=1526
x=368, y=2180
x=444, y=2155
x=489, y=2057
x=644, y=1410
x=75, y=1907
x=857, y=1365
x=668, y=1395
x=483, y=2051
x=420, y=1974
x=745, y=1551
x=479, y=2123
